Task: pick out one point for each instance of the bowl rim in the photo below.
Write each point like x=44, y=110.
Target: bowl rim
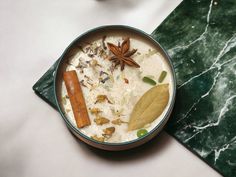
x=156, y=128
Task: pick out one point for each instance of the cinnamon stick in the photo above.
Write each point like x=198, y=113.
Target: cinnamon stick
x=76, y=99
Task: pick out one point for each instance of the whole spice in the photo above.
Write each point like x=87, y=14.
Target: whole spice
x=82, y=83
x=122, y=54
x=117, y=122
x=93, y=63
x=104, y=80
x=81, y=65
x=101, y=120
x=90, y=53
x=95, y=111
x=126, y=80
x=162, y=76
x=103, y=73
x=76, y=98
x=102, y=53
x=149, y=80
x=102, y=98
x=103, y=42
x=109, y=131
x=141, y=133
x=95, y=137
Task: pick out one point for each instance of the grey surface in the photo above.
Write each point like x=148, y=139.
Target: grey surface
x=34, y=139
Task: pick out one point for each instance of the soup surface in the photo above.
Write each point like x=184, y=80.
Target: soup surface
x=127, y=86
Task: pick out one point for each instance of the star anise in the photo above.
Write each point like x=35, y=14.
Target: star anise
x=122, y=54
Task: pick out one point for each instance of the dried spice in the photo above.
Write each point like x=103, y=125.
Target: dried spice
x=141, y=133
x=118, y=122
x=104, y=80
x=82, y=83
x=102, y=53
x=101, y=99
x=122, y=54
x=95, y=52
x=126, y=80
x=81, y=65
x=76, y=98
x=88, y=78
x=104, y=76
x=109, y=131
x=103, y=42
x=95, y=111
x=92, y=49
x=162, y=76
x=95, y=137
x=149, y=80
x=103, y=73
x=112, y=68
x=93, y=63
x=101, y=120
x=149, y=107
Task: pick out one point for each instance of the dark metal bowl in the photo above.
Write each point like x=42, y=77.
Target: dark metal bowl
x=73, y=49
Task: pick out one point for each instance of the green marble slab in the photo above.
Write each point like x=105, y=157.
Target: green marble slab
x=44, y=86
x=200, y=37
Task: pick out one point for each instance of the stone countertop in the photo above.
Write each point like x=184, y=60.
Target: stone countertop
x=202, y=46
x=34, y=139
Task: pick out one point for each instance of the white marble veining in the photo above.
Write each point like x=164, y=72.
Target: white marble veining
x=201, y=37
x=228, y=45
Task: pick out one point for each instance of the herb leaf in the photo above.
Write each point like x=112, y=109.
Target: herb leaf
x=149, y=107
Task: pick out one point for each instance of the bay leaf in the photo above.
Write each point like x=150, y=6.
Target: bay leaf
x=149, y=107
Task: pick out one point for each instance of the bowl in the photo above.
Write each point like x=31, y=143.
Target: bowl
x=73, y=48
